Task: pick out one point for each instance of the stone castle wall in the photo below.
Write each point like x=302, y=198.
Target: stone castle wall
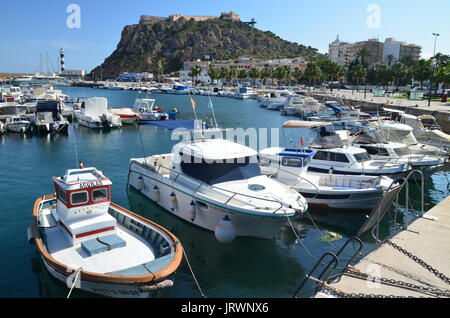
x=149, y=19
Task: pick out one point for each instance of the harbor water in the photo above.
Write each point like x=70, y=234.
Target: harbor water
x=245, y=268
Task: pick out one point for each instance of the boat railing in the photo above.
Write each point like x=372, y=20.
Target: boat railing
x=220, y=194
x=298, y=179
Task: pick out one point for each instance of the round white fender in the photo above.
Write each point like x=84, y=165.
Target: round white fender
x=193, y=210
x=155, y=194
x=173, y=201
x=225, y=232
x=140, y=183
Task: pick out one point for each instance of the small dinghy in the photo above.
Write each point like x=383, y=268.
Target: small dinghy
x=90, y=243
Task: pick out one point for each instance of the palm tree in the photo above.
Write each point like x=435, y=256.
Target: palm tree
x=242, y=74
x=422, y=71
x=266, y=73
x=312, y=73
x=385, y=75
x=362, y=55
x=223, y=73
x=359, y=73
x=254, y=74
x=297, y=74
x=214, y=74
x=389, y=59
x=232, y=73
x=400, y=71
x=195, y=72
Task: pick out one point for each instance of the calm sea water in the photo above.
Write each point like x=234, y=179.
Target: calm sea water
x=245, y=268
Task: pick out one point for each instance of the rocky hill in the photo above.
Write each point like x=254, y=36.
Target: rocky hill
x=170, y=43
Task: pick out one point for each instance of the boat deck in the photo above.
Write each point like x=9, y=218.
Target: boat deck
x=136, y=252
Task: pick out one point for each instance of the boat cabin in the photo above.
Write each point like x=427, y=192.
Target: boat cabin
x=83, y=200
x=286, y=163
x=145, y=106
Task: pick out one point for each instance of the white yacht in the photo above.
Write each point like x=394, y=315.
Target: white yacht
x=93, y=113
x=217, y=184
x=275, y=98
x=323, y=191
x=297, y=105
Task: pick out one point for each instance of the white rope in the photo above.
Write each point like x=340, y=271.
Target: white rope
x=193, y=275
x=75, y=281
x=300, y=241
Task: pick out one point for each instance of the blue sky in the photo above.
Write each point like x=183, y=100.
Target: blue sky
x=30, y=28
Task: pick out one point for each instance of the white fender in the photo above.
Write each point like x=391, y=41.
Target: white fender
x=225, y=232
x=193, y=210
x=155, y=194
x=140, y=184
x=173, y=201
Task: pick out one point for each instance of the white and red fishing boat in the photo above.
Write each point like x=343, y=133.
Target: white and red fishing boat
x=90, y=243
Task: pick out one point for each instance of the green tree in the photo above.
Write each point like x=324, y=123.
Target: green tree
x=214, y=73
x=312, y=73
x=385, y=75
x=297, y=74
x=362, y=56
x=389, y=59
x=399, y=72
x=195, y=72
x=242, y=74
x=254, y=74
x=359, y=73
x=223, y=73
x=422, y=71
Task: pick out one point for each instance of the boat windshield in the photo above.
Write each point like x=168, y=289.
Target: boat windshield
x=363, y=156
x=403, y=151
x=221, y=171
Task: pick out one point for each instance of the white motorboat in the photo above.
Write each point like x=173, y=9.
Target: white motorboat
x=378, y=148
x=147, y=110
x=275, y=98
x=18, y=124
x=90, y=243
x=297, y=105
x=331, y=156
x=49, y=119
x=216, y=184
x=93, y=113
x=245, y=93
x=425, y=128
x=404, y=134
x=323, y=191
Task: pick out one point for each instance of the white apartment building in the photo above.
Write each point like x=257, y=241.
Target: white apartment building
x=339, y=52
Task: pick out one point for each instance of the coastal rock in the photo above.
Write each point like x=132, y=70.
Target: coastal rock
x=170, y=43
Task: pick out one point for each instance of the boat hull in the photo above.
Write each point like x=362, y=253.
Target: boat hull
x=208, y=214
x=109, y=285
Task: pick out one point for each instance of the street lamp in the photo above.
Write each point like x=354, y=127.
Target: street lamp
x=434, y=65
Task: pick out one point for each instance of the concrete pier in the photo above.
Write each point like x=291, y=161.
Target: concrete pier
x=427, y=238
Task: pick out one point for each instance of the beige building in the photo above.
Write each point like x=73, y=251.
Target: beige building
x=375, y=48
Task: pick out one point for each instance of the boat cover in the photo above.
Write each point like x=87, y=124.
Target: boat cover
x=171, y=124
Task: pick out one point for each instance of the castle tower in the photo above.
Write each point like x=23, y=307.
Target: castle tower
x=61, y=57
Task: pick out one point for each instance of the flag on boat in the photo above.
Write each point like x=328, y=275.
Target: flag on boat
x=302, y=141
x=194, y=105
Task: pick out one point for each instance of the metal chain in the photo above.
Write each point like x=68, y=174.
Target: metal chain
x=428, y=267
x=356, y=273
x=339, y=293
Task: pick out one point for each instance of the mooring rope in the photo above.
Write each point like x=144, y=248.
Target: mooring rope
x=75, y=281
x=193, y=275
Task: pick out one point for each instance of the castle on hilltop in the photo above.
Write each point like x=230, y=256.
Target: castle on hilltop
x=148, y=19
